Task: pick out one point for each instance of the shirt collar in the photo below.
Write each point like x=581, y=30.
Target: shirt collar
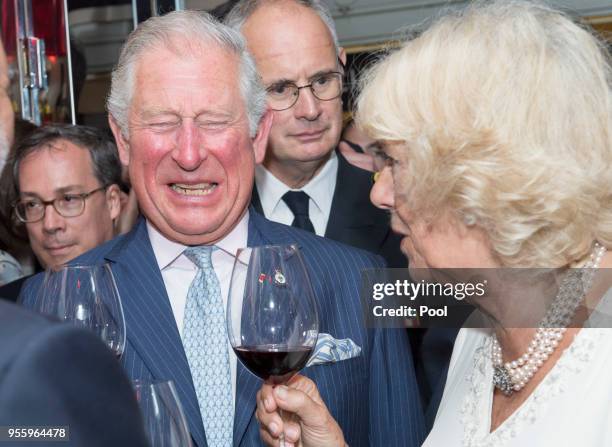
x=168, y=253
x=320, y=188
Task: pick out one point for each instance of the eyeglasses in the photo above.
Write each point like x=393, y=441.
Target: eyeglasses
x=325, y=87
x=69, y=205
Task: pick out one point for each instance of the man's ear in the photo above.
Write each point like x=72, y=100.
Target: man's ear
x=260, y=142
x=122, y=144
x=113, y=201
x=342, y=56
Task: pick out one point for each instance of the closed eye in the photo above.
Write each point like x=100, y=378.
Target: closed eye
x=163, y=124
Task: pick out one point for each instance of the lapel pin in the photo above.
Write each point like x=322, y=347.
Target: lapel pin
x=279, y=278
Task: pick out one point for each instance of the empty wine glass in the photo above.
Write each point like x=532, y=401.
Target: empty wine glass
x=86, y=296
x=164, y=421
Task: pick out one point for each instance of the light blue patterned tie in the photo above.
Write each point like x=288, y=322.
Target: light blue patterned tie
x=205, y=341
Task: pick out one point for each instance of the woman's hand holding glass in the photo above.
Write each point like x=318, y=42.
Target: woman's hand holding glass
x=311, y=426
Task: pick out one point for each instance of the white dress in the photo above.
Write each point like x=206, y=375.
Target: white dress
x=572, y=406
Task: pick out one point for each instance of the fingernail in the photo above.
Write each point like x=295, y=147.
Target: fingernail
x=268, y=403
x=281, y=391
x=274, y=428
x=291, y=432
x=288, y=444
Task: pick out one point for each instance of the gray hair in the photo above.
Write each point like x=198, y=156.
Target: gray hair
x=245, y=8
x=101, y=147
x=193, y=27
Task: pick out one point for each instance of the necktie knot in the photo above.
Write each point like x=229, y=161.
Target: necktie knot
x=200, y=255
x=297, y=201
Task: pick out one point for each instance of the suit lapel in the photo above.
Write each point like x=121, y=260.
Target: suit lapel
x=353, y=219
x=150, y=323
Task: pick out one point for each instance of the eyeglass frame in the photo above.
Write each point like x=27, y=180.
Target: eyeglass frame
x=83, y=196
x=340, y=74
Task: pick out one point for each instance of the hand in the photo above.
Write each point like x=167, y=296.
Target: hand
x=311, y=424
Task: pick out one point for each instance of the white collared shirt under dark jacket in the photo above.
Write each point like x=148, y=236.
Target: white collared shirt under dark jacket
x=373, y=396
x=339, y=207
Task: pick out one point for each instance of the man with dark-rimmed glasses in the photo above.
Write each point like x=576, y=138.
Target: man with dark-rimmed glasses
x=305, y=181
x=67, y=179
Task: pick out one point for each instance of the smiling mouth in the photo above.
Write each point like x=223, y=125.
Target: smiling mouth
x=199, y=189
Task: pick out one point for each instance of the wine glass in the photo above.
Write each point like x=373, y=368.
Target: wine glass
x=164, y=421
x=272, y=319
x=86, y=296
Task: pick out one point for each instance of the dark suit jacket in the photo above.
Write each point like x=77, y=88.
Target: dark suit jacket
x=353, y=219
x=54, y=374
x=373, y=396
x=10, y=291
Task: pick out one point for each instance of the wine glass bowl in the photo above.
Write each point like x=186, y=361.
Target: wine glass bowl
x=272, y=318
x=86, y=296
x=163, y=417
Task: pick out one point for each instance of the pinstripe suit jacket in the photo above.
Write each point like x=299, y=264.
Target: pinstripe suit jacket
x=373, y=397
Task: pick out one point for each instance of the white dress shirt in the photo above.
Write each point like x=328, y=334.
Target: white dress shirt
x=178, y=272
x=320, y=189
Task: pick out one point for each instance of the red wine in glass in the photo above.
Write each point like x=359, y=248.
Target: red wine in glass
x=272, y=318
x=274, y=364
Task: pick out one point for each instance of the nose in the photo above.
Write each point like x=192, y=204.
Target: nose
x=308, y=106
x=53, y=221
x=382, y=193
x=189, y=152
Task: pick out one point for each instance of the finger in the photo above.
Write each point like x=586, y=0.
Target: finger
x=292, y=431
x=306, y=385
x=268, y=439
x=269, y=421
x=266, y=395
x=298, y=402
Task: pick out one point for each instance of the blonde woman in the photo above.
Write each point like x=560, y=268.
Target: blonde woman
x=497, y=131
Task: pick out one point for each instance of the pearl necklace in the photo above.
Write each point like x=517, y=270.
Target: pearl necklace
x=511, y=377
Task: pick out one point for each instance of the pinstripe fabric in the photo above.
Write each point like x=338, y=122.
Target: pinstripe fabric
x=373, y=397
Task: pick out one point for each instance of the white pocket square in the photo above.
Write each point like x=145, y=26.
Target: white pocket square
x=331, y=350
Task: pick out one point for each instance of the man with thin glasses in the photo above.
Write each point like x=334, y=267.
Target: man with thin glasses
x=67, y=179
x=304, y=180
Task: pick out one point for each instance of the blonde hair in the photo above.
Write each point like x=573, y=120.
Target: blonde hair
x=505, y=113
